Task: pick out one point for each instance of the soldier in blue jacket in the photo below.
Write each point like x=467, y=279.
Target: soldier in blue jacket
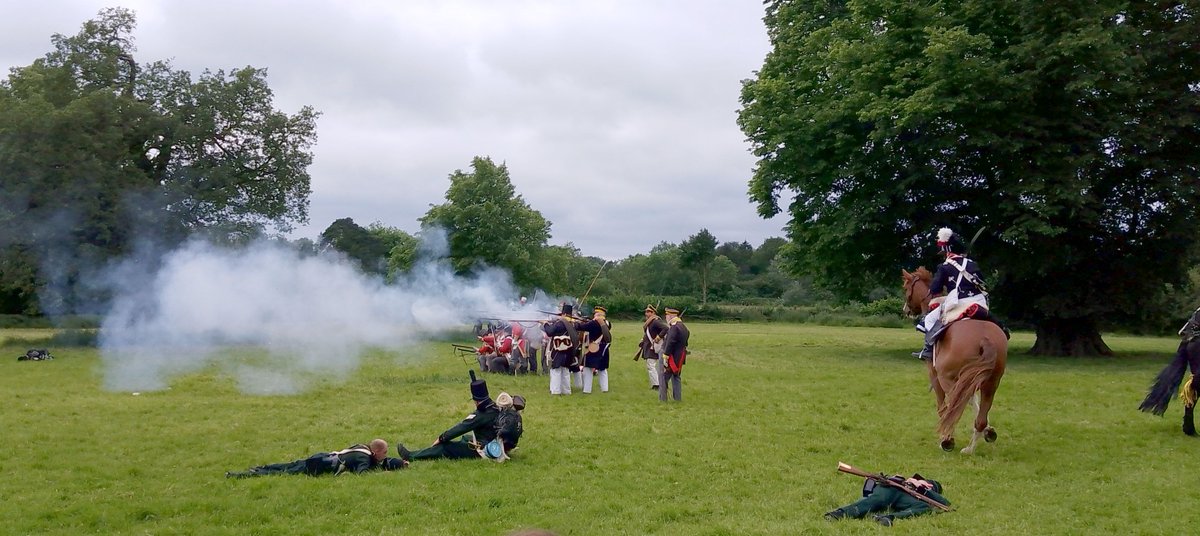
x=960, y=280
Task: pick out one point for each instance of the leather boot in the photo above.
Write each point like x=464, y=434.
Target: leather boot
x=927, y=351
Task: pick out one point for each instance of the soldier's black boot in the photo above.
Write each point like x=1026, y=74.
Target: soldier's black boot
x=928, y=351
x=1189, y=420
x=404, y=453
x=834, y=515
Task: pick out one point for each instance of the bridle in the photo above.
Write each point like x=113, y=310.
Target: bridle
x=910, y=283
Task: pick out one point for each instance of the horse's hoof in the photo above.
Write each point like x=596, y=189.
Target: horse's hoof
x=948, y=444
x=989, y=434
x=968, y=450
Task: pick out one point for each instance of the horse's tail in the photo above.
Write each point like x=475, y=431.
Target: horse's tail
x=970, y=378
x=1167, y=383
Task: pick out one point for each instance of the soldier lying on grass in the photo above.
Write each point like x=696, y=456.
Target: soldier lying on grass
x=356, y=459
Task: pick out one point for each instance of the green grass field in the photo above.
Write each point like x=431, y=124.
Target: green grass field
x=768, y=412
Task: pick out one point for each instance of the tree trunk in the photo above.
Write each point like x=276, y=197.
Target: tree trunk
x=1069, y=337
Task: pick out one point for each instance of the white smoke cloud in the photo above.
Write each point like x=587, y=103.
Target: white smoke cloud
x=274, y=320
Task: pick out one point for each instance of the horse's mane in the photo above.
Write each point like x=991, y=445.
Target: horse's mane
x=923, y=274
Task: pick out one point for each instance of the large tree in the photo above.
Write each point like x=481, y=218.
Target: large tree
x=740, y=253
x=369, y=248
x=488, y=222
x=97, y=152
x=697, y=253
x=1067, y=129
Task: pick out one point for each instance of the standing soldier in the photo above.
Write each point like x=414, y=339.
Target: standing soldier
x=562, y=350
x=674, y=354
x=595, y=358
x=650, y=348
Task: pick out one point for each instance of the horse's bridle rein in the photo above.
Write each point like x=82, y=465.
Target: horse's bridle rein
x=910, y=284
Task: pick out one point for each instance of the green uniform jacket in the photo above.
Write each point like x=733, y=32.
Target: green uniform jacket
x=482, y=422
x=356, y=462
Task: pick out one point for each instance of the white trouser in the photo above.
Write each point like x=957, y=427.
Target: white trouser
x=932, y=318
x=601, y=375
x=560, y=381
x=978, y=299
x=576, y=379
x=652, y=371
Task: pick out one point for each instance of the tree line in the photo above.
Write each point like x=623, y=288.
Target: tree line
x=488, y=224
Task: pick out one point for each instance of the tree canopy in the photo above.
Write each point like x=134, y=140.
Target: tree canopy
x=1066, y=129
x=98, y=152
x=488, y=222
x=697, y=253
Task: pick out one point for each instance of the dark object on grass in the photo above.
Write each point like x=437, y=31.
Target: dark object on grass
x=35, y=354
x=1167, y=384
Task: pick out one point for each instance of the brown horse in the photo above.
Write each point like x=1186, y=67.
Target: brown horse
x=967, y=360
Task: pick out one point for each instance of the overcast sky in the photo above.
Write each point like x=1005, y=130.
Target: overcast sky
x=617, y=119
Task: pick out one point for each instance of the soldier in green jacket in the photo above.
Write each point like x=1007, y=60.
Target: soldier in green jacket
x=879, y=499
x=356, y=459
x=480, y=424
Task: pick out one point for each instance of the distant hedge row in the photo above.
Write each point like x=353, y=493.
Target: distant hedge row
x=41, y=322
x=880, y=313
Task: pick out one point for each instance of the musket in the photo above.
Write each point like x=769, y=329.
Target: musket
x=568, y=317
x=883, y=479
x=589, y=289
x=461, y=350
x=512, y=320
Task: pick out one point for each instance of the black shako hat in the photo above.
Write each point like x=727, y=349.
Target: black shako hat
x=479, y=389
x=566, y=309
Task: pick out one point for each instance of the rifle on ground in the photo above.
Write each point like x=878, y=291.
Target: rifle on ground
x=884, y=480
x=461, y=350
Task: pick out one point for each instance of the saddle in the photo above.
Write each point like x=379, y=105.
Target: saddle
x=960, y=311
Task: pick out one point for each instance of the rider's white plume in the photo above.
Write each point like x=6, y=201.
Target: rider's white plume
x=944, y=234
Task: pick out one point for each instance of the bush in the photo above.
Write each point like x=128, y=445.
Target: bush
x=889, y=306
x=45, y=322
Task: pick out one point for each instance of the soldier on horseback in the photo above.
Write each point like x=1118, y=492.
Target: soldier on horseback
x=959, y=277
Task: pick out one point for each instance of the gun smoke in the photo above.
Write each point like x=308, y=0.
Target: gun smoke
x=274, y=320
